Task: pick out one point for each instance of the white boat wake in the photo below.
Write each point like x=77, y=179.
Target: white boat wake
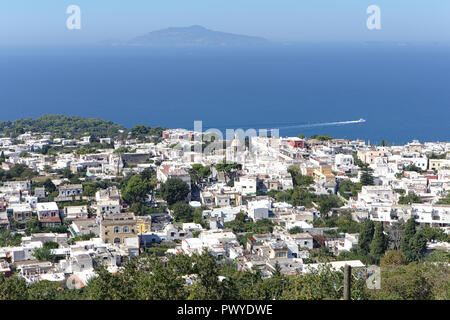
x=337, y=123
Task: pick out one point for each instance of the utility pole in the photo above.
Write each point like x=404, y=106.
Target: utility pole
x=347, y=281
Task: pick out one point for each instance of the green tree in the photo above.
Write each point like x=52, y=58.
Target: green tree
x=409, y=199
x=378, y=244
x=229, y=169
x=349, y=189
x=438, y=256
x=366, y=235
x=50, y=245
x=183, y=212
x=413, y=167
x=323, y=283
x=395, y=234
x=139, y=131
x=42, y=254
x=445, y=200
x=393, y=258
x=32, y=226
x=208, y=286
x=109, y=286
x=328, y=202
x=49, y=186
x=417, y=247
x=174, y=190
x=136, y=190
x=414, y=281
x=295, y=230
x=44, y=290
x=8, y=238
x=198, y=173
x=366, y=178
x=13, y=288
x=299, y=179
x=410, y=231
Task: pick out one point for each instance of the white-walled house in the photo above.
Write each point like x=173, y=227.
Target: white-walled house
x=258, y=210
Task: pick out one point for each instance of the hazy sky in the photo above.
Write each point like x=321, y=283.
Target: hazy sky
x=44, y=21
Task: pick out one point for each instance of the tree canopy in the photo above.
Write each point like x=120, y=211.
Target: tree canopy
x=62, y=126
x=174, y=190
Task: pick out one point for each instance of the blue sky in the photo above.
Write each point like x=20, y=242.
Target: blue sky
x=44, y=21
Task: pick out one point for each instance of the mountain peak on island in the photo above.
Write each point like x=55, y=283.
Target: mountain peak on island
x=194, y=36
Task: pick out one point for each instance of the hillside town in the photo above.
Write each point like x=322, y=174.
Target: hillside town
x=269, y=205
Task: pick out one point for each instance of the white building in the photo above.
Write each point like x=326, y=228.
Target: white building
x=258, y=210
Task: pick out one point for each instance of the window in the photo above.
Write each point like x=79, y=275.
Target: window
x=126, y=229
x=116, y=229
x=117, y=240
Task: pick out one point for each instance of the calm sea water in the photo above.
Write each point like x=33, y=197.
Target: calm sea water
x=403, y=92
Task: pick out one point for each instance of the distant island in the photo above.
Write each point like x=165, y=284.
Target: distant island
x=194, y=36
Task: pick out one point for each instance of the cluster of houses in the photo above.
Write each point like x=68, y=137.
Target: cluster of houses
x=112, y=234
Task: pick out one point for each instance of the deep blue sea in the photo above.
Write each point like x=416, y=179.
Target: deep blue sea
x=402, y=91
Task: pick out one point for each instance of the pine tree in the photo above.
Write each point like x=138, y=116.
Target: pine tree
x=366, y=177
x=417, y=247
x=378, y=244
x=366, y=235
x=410, y=231
x=408, y=235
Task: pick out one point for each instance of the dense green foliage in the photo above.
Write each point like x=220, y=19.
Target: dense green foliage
x=393, y=258
x=348, y=189
x=18, y=172
x=298, y=179
x=300, y=196
x=174, y=190
x=140, y=132
x=437, y=156
x=445, y=200
x=295, y=230
x=414, y=281
x=438, y=256
x=343, y=222
x=34, y=226
x=136, y=188
x=61, y=126
x=229, y=169
x=183, y=212
x=198, y=173
x=150, y=278
x=321, y=137
x=409, y=199
x=366, y=235
x=366, y=178
x=242, y=224
x=413, y=242
x=379, y=242
x=8, y=238
x=413, y=167
x=83, y=237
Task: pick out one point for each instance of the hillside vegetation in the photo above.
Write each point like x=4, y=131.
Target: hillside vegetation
x=61, y=126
